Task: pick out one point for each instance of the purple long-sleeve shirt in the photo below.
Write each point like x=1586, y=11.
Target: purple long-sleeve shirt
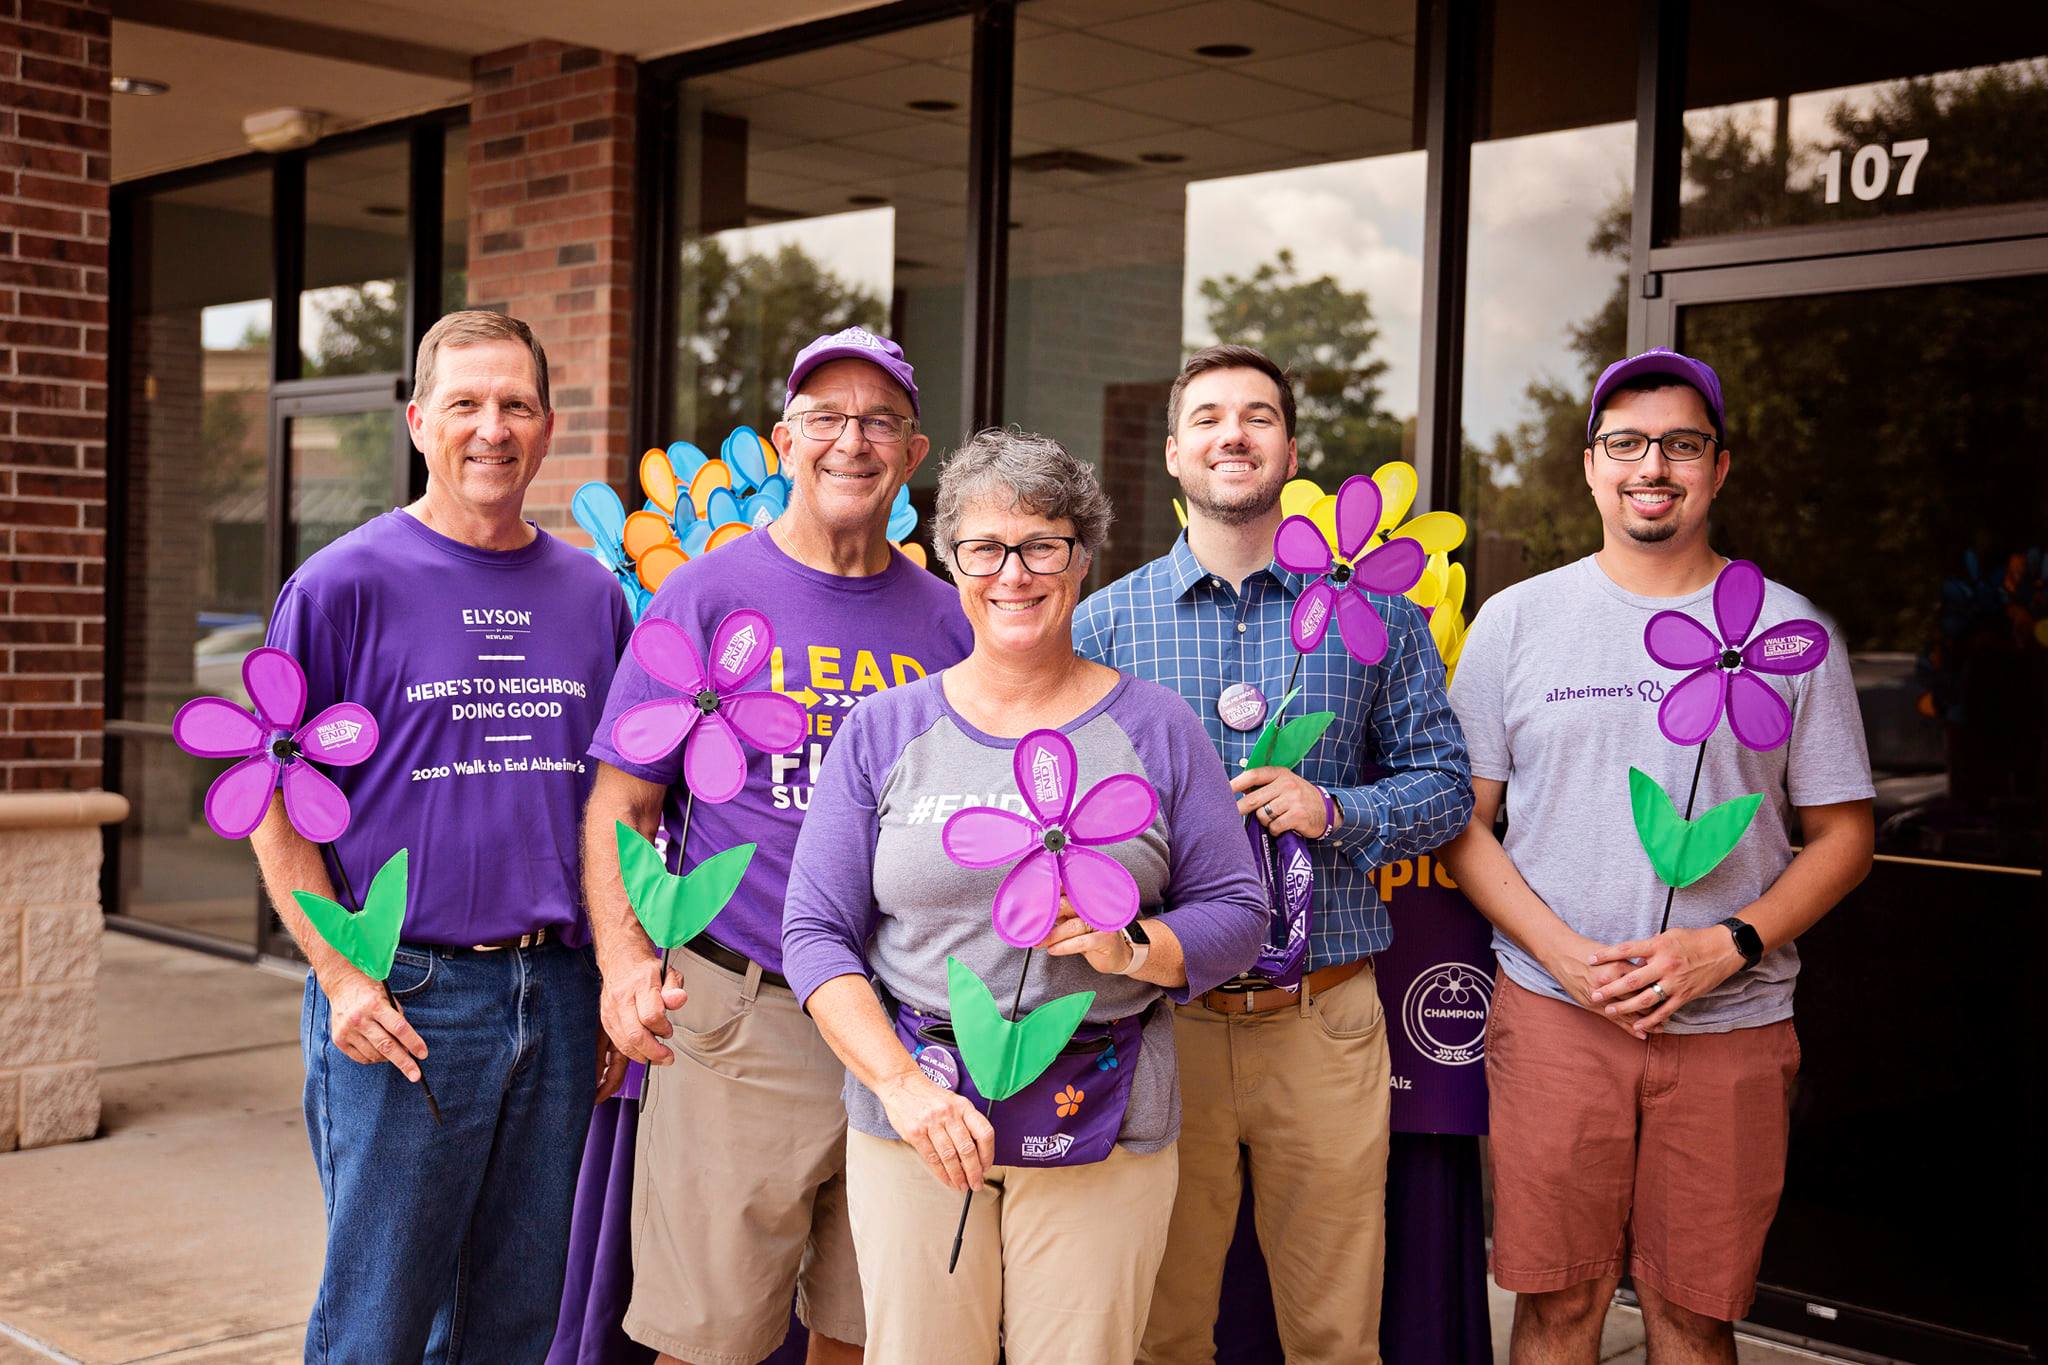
x=872, y=893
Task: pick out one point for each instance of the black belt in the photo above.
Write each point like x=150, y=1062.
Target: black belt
x=718, y=955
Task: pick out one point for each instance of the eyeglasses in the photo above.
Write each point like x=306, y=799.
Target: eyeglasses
x=1626, y=447
x=822, y=424
x=1040, y=555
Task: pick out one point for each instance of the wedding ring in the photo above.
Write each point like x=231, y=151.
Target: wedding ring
x=1266, y=811
x=1658, y=987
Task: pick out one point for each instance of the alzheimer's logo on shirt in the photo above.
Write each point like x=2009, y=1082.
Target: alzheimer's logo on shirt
x=1045, y=778
x=338, y=734
x=738, y=650
x=1786, y=646
x=1643, y=689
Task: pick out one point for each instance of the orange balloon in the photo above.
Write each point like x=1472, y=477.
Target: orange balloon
x=644, y=531
x=658, y=481
x=658, y=563
x=726, y=535
x=768, y=454
x=914, y=552
x=714, y=474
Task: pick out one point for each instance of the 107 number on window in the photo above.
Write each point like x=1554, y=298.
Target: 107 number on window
x=1870, y=170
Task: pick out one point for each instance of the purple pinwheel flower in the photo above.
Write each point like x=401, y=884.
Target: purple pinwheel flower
x=275, y=750
x=712, y=715
x=1054, y=842
x=1343, y=580
x=1725, y=669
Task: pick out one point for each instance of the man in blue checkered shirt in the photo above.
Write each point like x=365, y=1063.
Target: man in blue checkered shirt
x=1299, y=1079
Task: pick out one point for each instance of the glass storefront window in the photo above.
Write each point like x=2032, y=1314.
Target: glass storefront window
x=196, y=480
x=1546, y=287
x=819, y=191
x=352, y=308
x=455, y=220
x=1218, y=172
x=1836, y=120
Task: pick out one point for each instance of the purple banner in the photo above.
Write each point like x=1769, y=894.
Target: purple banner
x=1436, y=984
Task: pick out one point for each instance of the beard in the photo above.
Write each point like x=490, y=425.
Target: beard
x=1650, y=532
x=1243, y=509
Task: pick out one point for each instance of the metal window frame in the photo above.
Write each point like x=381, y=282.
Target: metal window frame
x=425, y=136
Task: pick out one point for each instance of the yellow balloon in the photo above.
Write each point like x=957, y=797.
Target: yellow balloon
x=658, y=480
x=1324, y=515
x=1439, y=532
x=1429, y=589
x=1180, y=514
x=1397, y=482
x=1457, y=649
x=1454, y=590
x=1298, y=496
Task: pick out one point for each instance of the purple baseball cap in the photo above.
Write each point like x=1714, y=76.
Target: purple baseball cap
x=855, y=343
x=1658, y=360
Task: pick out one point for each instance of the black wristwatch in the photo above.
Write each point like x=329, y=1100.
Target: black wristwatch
x=1748, y=941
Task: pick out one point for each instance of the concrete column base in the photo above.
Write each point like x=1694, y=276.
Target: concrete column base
x=49, y=963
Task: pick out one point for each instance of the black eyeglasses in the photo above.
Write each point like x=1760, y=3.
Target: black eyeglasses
x=822, y=424
x=1039, y=555
x=1627, y=447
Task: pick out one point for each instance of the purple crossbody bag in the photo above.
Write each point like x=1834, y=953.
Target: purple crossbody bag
x=1069, y=1116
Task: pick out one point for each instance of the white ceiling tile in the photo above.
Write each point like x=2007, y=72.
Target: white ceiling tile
x=929, y=144
x=1332, y=131
x=820, y=66
x=1209, y=96
x=927, y=42
x=1090, y=13
x=1268, y=31
x=1380, y=18
x=1205, y=151
x=1354, y=71
x=808, y=115
x=1081, y=123
x=897, y=86
x=1076, y=63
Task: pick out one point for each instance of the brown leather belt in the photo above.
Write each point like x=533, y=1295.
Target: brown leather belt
x=532, y=940
x=1252, y=998
x=716, y=953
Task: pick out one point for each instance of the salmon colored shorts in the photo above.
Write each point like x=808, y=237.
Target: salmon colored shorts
x=1664, y=1156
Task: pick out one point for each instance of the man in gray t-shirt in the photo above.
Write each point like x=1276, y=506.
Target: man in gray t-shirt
x=1640, y=1076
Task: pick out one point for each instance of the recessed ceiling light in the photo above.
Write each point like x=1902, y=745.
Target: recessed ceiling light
x=932, y=106
x=1015, y=224
x=866, y=200
x=384, y=210
x=1223, y=50
x=137, y=85
x=1162, y=158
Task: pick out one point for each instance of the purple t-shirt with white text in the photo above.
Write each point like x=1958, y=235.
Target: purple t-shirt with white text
x=486, y=670
x=837, y=640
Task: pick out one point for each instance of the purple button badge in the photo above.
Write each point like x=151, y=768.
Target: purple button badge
x=1242, y=706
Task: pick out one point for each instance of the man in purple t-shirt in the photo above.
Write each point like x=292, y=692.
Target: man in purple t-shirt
x=484, y=648
x=739, y=1176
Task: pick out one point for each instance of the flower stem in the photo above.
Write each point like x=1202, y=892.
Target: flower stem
x=354, y=906
x=1697, y=763
x=661, y=981
x=988, y=1111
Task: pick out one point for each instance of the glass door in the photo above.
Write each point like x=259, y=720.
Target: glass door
x=1887, y=415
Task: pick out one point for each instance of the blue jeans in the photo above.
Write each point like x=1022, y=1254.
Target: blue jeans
x=448, y=1243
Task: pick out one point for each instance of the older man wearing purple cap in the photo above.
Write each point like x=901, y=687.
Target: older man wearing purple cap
x=1640, y=1075
x=739, y=1178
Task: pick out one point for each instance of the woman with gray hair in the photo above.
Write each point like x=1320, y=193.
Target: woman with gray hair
x=1067, y=1220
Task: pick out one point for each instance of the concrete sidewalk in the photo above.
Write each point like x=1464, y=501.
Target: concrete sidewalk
x=190, y=1230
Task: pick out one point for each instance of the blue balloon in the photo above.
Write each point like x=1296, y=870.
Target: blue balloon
x=721, y=507
x=760, y=509
x=778, y=487
x=902, y=516
x=743, y=456
x=685, y=460
x=694, y=536
x=598, y=511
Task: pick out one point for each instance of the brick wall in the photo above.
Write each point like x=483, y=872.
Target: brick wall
x=551, y=241
x=53, y=390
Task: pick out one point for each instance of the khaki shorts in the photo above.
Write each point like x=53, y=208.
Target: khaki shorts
x=1666, y=1156
x=739, y=1180
x=1057, y=1266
